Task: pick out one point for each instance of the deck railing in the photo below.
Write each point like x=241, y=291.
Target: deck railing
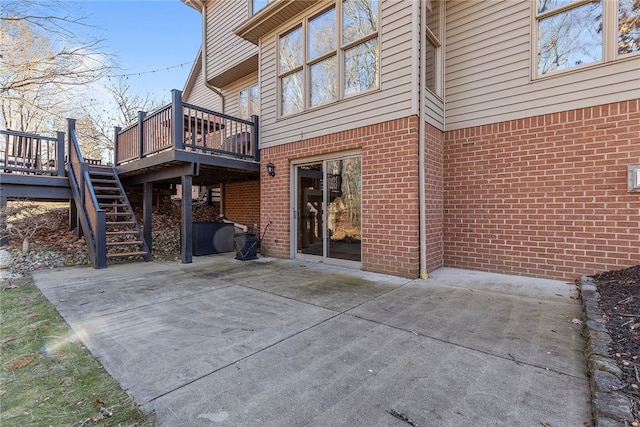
x=182, y=126
x=91, y=215
x=26, y=153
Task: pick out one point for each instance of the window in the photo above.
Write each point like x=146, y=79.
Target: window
x=330, y=56
x=249, y=102
x=258, y=5
x=572, y=33
x=321, y=52
x=628, y=26
x=433, y=51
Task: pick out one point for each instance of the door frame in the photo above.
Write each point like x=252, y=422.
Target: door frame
x=293, y=222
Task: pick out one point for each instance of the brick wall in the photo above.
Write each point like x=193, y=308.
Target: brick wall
x=434, y=184
x=242, y=203
x=389, y=192
x=544, y=196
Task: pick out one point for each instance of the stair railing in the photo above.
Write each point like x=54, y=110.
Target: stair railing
x=92, y=217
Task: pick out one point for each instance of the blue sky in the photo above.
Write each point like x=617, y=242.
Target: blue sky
x=146, y=37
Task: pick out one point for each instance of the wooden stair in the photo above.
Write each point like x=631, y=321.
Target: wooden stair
x=124, y=237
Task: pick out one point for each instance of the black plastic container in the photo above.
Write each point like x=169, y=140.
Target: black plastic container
x=246, y=247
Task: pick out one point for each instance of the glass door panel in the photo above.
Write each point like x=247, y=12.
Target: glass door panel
x=310, y=209
x=343, y=197
x=327, y=211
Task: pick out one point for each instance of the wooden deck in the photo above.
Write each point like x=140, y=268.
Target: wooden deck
x=179, y=143
x=183, y=139
x=32, y=167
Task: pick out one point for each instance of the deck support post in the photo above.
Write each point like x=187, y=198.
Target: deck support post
x=255, y=138
x=177, y=118
x=4, y=240
x=73, y=215
x=141, y=116
x=116, y=131
x=60, y=154
x=187, y=219
x=147, y=204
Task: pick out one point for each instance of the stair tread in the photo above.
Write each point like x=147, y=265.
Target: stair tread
x=127, y=254
x=97, y=188
x=125, y=243
x=121, y=223
x=118, y=213
x=121, y=233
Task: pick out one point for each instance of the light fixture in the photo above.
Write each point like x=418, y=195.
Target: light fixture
x=271, y=169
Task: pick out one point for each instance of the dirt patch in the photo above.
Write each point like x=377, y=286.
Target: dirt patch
x=620, y=304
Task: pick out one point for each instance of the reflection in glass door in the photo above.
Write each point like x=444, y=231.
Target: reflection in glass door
x=328, y=213
x=310, y=209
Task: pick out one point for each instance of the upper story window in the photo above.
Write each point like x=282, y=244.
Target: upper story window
x=434, y=50
x=571, y=33
x=249, y=102
x=258, y=5
x=329, y=56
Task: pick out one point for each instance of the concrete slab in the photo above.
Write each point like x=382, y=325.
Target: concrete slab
x=280, y=343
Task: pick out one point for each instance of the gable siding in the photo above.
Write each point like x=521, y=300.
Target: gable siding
x=488, y=69
x=201, y=96
x=393, y=100
x=224, y=48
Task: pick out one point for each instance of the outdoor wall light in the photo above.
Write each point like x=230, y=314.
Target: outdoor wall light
x=271, y=169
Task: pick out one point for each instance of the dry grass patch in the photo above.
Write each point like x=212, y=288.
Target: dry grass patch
x=47, y=377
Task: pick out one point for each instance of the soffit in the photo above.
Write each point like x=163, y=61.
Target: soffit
x=271, y=17
x=236, y=72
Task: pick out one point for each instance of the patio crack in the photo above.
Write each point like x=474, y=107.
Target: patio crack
x=266, y=347
x=508, y=357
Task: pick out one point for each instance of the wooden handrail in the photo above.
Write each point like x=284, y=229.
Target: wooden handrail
x=28, y=153
x=184, y=126
x=91, y=216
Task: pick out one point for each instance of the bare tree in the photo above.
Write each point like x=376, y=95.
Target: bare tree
x=43, y=65
x=120, y=107
x=22, y=220
x=66, y=60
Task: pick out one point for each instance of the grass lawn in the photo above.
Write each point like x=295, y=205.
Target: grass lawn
x=47, y=377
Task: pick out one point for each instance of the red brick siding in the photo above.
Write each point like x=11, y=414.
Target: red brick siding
x=434, y=184
x=544, y=196
x=389, y=192
x=242, y=203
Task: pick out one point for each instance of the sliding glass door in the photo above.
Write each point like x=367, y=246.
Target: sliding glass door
x=327, y=209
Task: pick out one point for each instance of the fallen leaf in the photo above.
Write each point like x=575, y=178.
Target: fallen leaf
x=99, y=402
x=576, y=321
x=105, y=411
x=2, y=392
x=20, y=363
x=6, y=340
x=61, y=381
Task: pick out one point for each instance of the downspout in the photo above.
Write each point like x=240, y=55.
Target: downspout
x=203, y=12
x=422, y=145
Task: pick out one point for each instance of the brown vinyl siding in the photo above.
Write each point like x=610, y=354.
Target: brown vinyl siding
x=392, y=100
x=488, y=69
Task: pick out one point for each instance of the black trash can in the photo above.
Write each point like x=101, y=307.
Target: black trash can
x=246, y=247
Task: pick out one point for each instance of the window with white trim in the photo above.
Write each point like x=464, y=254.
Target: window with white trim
x=249, y=102
x=329, y=56
x=572, y=33
x=433, y=51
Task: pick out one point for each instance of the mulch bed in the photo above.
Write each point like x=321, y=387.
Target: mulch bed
x=620, y=303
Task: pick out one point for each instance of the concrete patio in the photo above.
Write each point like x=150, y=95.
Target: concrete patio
x=222, y=342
